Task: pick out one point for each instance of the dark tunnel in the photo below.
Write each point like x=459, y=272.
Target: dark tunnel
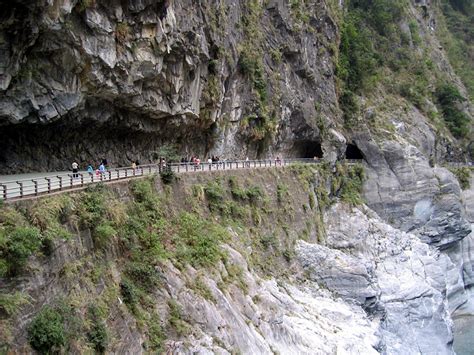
x=308, y=149
x=353, y=152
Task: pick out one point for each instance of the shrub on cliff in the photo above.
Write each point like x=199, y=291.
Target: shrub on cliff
x=449, y=99
x=16, y=246
x=46, y=332
x=463, y=175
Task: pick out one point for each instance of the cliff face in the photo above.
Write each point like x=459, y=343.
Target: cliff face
x=295, y=272
x=302, y=263
x=91, y=78
x=87, y=79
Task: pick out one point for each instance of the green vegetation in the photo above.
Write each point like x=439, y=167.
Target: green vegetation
x=17, y=246
x=457, y=36
x=11, y=303
x=463, y=175
x=147, y=230
x=175, y=319
x=376, y=50
x=197, y=241
x=82, y=5
x=214, y=195
x=97, y=333
x=202, y=289
x=449, y=99
x=347, y=183
x=167, y=176
x=122, y=31
x=260, y=124
x=46, y=333
x=300, y=14
x=156, y=335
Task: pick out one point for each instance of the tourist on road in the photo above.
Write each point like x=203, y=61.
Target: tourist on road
x=134, y=166
x=75, y=167
x=90, y=170
x=102, y=168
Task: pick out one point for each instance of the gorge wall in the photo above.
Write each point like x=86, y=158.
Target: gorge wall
x=305, y=259
x=267, y=260
x=82, y=80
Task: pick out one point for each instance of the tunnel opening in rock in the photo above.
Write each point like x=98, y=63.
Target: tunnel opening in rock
x=308, y=149
x=353, y=152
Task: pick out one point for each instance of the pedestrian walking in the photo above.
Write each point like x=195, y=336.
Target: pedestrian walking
x=75, y=168
x=90, y=170
x=102, y=168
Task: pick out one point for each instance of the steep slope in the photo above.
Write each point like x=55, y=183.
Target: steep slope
x=252, y=262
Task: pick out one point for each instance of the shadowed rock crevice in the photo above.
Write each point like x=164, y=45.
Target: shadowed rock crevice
x=353, y=152
x=307, y=149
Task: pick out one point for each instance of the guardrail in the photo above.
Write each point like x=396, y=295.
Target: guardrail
x=19, y=189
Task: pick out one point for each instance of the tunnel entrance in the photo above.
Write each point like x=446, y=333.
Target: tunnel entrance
x=307, y=149
x=353, y=152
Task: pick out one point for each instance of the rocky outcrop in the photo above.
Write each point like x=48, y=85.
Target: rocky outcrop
x=393, y=275
x=86, y=79
x=412, y=196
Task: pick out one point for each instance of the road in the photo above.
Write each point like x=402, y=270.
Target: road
x=33, y=184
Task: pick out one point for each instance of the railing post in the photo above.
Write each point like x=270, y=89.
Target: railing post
x=82, y=179
x=21, y=188
x=60, y=182
x=4, y=191
x=36, y=186
x=133, y=171
x=71, y=177
x=49, y=184
x=110, y=175
x=126, y=173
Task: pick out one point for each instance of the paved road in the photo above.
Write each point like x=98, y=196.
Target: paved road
x=24, y=185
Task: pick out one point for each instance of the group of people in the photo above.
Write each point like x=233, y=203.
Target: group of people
x=101, y=169
x=194, y=160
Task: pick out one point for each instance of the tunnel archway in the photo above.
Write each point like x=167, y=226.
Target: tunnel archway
x=353, y=152
x=307, y=149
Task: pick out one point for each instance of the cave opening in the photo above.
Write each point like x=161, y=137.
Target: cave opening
x=353, y=152
x=308, y=149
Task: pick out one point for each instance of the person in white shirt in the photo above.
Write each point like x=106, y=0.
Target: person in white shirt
x=75, y=167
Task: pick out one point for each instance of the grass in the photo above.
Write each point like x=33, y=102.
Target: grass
x=200, y=287
x=198, y=241
x=175, y=319
x=11, y=303
x=97, y=333
x=463, y=175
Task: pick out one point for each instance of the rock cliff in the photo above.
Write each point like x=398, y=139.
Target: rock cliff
x=86, y=79
x=305, y=262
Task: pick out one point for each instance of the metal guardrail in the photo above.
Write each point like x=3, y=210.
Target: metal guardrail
x=19, y=189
